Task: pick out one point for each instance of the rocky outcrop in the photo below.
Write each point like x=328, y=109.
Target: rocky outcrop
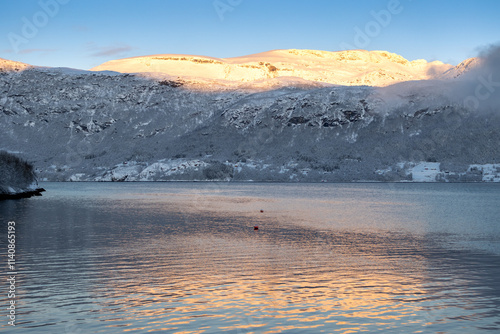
x=20, y=193
x=17, y=179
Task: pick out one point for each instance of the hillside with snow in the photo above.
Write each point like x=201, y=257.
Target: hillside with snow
x=204, y=123
x=347, y=68
x=9, y=65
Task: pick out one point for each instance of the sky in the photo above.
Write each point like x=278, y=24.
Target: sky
x=85, y=33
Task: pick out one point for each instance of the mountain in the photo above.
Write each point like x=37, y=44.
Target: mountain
x=464, y=67
x=111, y=126
x=347, y=68
x=9, y=65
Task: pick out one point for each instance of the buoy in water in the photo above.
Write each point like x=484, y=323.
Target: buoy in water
x=255, y=227
x=261, y=210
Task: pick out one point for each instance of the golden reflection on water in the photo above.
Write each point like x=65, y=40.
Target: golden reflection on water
x=370, y=213
x=225, y=277
x=189, y=261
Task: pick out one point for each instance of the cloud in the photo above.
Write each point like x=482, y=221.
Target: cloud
x=474, y=87
x=105, y=51
x=81, y=28
x=28, y=51
x=490, y=59
x=479, y=88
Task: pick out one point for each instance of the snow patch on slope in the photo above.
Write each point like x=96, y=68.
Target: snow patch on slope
x=425, y=172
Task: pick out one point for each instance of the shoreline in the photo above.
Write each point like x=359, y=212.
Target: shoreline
x=20, y=195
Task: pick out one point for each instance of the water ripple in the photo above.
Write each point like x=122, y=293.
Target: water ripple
x=164, y=265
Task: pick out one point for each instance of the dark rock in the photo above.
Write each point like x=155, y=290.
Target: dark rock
x=352, y=115
x=171, y=83
x=26, y=194
x=298, y=120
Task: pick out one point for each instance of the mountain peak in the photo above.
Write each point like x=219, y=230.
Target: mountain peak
x=348, y=68
x=463, y=67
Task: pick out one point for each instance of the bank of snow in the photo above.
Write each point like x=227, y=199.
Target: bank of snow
x=425, y=172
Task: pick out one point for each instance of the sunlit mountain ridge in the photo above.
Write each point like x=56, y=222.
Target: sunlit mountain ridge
x=10, y=65
x=280, y=68
x=347, y=68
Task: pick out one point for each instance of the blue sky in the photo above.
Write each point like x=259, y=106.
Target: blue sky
x=86, y=33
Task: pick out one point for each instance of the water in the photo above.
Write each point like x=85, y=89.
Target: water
x=184, y=258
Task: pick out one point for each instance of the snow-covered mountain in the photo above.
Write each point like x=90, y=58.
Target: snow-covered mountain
x=109, y=126
x=464, y=67
x=347, y=68
x=9, y=65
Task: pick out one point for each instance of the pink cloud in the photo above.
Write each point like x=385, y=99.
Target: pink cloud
x=106, y=51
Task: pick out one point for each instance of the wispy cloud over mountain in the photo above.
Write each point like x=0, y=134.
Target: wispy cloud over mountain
x=106, y=51
x=30, y=51
x=479, y=86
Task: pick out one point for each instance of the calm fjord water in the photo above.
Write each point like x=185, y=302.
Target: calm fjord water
x=184, y=258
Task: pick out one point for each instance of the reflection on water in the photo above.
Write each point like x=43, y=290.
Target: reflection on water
x=184, y=258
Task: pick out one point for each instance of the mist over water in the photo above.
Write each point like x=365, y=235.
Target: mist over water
x=183, y=257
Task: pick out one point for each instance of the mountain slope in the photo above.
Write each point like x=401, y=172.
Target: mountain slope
x=9, y=65
x=96, y=126
x=464, y=67
x=348, y=68
x=107, y=126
